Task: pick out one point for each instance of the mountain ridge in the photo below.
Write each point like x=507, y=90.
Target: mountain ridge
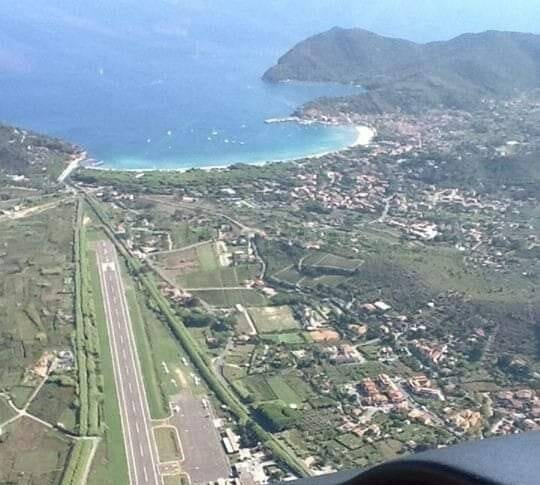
x=457, y=73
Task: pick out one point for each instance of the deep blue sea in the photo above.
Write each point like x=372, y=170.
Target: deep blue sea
x=155, y=87
x=176, y=83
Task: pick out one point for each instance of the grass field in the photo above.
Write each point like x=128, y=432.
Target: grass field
x=159, y=353
x=184, y=234
x=229, y=298
x=207, y=256
x=21, y=394
x=259, y=387
x=32, y=452
x=273, y=319
x=230, y=276
x=327, y=279
x=291, y=338
x=80, y=455
x=6, y=411
x=283, y=391
x=156, y=399
x=199, y=258
x=302, y=389
x=289, y=275
x=167, y=443
x=328, y=261
x=242, y=323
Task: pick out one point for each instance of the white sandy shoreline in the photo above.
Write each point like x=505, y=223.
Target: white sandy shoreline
x=365, y=135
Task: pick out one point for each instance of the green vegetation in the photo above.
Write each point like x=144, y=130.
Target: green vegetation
x=81, y=453
x=208, y=181
x=350, y=441
x=232, y=276
x=86, y=337
x=109, y=465
x=402, y=75
x=157, y=402
x=276, y=416
x=284, y=391
x=199, y=267
x=29, y=449
x=55, y=403
x=6, y=411
x=229, y=298
x=167, y=443
x=322, y=262
x=199, y=358
x=289, y=338
x=36, y=294
x=40, y=165
x=273, y=319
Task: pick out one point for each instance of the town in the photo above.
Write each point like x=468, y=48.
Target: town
x=379, y=300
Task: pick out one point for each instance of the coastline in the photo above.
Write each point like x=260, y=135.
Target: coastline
x=73, y=164
x=365, y=135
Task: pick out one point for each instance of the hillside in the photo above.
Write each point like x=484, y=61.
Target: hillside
x=27, y=158
x=408, y=76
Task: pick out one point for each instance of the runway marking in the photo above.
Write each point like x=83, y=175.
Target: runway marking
x=119, y=321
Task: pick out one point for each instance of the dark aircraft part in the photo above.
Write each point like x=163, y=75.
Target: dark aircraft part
x=511, y=460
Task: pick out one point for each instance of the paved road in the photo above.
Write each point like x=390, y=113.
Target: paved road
x=139, y=440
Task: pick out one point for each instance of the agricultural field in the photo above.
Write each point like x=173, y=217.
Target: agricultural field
x=36, y=293
x=289, y=275
x=273, y=319
x=55, y=403
x=6, y=411
x=258, y=387
x=284, y=391
x=186, y=233
x=32, y=453
x=288, y=388
x=180, y=262
x=200, y=267
x=242, y=324
x=289, y=338
x=232, y=276
x=229, y=298
x=328, y=262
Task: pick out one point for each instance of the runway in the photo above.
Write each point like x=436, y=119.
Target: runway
x=141, y=451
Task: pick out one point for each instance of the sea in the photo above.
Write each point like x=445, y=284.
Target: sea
x=157, y=85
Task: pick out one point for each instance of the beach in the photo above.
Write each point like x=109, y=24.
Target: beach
x=365, y=135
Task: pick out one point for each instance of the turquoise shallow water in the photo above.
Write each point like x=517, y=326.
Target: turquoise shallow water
x=143, y=88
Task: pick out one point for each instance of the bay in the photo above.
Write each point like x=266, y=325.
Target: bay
x=143, y=88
